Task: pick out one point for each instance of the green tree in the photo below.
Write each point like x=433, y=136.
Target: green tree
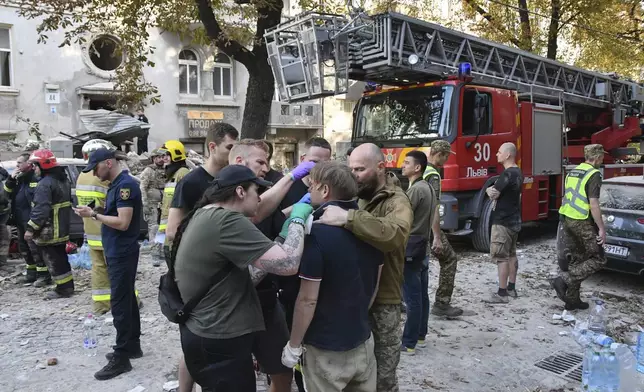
x=236, y=29
x=602, y=35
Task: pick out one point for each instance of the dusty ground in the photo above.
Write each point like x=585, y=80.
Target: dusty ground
x=493, y=348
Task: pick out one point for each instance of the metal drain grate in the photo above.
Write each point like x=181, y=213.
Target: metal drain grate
x=563, y=364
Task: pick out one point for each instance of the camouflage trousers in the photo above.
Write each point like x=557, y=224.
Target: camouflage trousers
x=151, y=216
x=385, y=326
x=447, y=261
x=585, y=255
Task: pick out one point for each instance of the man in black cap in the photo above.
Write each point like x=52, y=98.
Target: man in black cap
x=120, y=232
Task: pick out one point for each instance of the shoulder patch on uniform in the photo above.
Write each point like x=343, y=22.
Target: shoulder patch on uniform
x=125, y=193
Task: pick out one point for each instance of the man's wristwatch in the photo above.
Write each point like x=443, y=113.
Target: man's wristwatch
x=94, y=215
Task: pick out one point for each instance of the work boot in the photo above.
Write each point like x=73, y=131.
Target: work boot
x=134, y=355
x=579, y=304
x=513, y=293
x=59, y=293
x=116, y=366
x=446, y=310
x=28, y=279
x=43, y=281
x=560, y=287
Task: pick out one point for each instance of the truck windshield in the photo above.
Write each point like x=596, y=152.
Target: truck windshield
x=408, y=114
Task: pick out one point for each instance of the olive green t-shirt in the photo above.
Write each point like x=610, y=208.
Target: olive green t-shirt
x=216, y=236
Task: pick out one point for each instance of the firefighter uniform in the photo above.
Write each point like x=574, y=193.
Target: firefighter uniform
x=90, y=189
x=49, y=221
x=175, y=171
x=21, y=191
x=579, y=230
x=446, y=255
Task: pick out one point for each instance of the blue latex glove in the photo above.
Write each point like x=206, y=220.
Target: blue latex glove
x=306, y=199
x=302, y=170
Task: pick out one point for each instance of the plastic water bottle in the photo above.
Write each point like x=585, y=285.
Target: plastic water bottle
x=611, y=371
x=593, y=361
x=597, y=318
x=90, y=341
x=83, y=256
x=640, y=352
x=603, y=340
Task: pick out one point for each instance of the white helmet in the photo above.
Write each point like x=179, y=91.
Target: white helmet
x=96, y=144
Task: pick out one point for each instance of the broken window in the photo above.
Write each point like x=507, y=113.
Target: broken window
x=222, y=76
x=188, y=72
x=106, y=53
x=5, y=57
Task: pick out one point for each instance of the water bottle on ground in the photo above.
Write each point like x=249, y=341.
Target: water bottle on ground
x=90, y=340
x=611, y=371
x=640, y=352
x=597, y=318
x=628, y=378
x=83, y=255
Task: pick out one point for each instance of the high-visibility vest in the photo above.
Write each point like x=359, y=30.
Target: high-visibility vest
x=168, y=194
x=90, y=188
x=430, y=170
x=575, y=204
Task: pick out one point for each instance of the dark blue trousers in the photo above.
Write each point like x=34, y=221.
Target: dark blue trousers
x=412, y=294
x=125, y=308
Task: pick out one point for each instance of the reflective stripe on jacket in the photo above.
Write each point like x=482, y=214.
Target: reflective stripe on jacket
x=90, y=188
x=575, y=204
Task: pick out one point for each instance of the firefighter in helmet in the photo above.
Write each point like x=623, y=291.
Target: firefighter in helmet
x=175, y=169
x=48, y=224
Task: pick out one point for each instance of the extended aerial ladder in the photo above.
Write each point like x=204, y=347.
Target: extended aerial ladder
x=315, y=55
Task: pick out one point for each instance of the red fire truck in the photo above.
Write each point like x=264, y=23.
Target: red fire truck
x=426, y=82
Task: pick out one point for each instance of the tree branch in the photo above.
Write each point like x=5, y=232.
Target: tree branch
x=486, y=15
x=526, y=30
x=230, y=47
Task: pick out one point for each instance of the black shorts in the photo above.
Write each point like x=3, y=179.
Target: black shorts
x=268, y=344
x=221, y=365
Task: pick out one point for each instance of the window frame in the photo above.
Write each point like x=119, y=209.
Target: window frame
x=10, y=51
x=221, y=67
x=188, y=64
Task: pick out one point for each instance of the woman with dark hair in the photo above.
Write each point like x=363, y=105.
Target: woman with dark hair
x=218, y=337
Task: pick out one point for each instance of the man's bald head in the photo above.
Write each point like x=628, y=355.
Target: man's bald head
x=507, y=154
x=369, y=151
x=367, y=163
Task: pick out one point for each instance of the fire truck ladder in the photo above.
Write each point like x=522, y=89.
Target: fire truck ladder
x=314, y=55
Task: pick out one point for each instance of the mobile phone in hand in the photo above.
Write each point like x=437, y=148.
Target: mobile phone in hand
x=92, y=204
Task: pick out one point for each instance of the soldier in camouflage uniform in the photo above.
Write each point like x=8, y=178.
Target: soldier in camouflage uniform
x=582, y=229
x=152, y=184
x=441, y=248
x=5, y=211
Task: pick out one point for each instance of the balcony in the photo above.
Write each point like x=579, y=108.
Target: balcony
x=301, y=115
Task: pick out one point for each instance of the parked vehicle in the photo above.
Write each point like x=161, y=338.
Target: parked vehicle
x=73, y=167
x=622, y=203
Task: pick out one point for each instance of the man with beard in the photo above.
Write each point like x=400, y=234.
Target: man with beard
x=269, y=343
x=383, y=221
x=120, y=233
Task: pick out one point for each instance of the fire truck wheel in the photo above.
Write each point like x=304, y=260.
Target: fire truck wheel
x=481, y=235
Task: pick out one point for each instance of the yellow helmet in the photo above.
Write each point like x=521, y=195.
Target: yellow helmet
x=176, y=150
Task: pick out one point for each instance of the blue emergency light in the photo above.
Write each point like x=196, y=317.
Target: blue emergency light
x=464, y=71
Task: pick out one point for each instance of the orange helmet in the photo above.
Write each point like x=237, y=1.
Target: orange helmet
x=44, y=158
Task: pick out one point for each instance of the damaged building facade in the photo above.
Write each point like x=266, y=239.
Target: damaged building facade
x=56, y=90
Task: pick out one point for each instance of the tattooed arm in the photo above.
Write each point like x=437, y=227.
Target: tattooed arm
x=281, y=259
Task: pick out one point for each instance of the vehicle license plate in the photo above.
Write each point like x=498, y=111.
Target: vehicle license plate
x=615, y=250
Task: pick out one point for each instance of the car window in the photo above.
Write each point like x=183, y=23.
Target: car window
x=623, y=197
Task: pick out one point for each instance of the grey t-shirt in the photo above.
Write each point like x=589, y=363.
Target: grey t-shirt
x=216, y=236
x=423, y=202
